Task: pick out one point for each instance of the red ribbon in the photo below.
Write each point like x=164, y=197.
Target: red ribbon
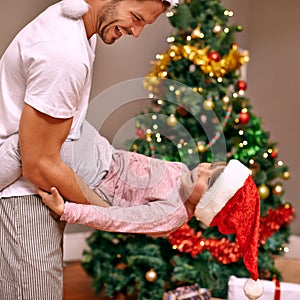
x=277, y=289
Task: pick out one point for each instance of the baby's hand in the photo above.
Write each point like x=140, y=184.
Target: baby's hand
x=54, y=200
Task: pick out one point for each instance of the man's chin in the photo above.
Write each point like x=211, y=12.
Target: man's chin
x=107, y=40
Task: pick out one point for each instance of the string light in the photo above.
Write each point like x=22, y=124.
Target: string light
x=280, y=163
x=170, y=39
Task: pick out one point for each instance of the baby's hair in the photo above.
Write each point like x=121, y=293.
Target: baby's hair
x=217, y=169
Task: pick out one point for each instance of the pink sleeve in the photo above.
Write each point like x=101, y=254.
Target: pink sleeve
x=157, y=218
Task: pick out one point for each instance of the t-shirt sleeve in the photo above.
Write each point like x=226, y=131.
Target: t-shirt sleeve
x=55, y=76
x=10, y=158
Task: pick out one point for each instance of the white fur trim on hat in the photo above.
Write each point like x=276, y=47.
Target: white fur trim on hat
x=74, y=9
x=173, y=3
x=228, y=183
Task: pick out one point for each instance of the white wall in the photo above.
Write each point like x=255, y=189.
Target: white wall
x=270, y=34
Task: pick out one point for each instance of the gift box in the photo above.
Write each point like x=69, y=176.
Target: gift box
x=191, y=292
x=273, y=290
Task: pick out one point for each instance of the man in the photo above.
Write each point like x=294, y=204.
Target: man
x=45, y=79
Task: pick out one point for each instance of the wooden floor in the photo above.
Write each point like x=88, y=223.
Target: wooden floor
x=77, y=285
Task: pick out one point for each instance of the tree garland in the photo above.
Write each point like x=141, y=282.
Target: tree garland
x=209, y=62
x=185, y=239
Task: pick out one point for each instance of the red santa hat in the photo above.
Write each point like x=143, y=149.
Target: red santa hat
x=75, y=9
x=233, y=205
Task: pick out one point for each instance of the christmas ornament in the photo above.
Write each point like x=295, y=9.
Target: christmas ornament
x=286, y=175
x=244, y=117
x=151, y=275
x=214, y=56
x=264, y=191
x=242, y=85
x=239, y=28
x=277, y=189
x=139, y=132
x=201, y=147
x=182, y=111
x=208, y=104
x=234, y=46
x=172, y=120
x=273, y=153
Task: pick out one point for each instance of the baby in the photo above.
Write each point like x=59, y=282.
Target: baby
x=145, y=195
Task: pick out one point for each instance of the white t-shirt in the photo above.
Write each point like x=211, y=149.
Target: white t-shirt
x=48, y=65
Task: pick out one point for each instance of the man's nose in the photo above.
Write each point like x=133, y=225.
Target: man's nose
x=136, y=30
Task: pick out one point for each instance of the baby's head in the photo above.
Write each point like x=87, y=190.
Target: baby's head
x=196, y=182
x=232, y=203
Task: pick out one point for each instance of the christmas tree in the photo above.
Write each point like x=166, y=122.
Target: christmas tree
x=199, y=112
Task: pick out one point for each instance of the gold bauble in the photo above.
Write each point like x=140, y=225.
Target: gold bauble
x=151, y=275
x=286, y=175
x=172, y=120
x=264, y=191
x=277, y=189
x=201, y=147
x=208, y=104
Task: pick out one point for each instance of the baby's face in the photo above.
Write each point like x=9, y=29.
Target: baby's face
x=195, y=182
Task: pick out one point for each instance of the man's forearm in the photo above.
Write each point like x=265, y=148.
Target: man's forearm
x=70, y=185
x=89, y=194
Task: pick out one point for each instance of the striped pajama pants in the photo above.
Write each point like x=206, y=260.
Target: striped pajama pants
x=30, y=250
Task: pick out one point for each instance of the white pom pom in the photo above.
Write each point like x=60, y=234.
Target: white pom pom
x=74, y=8
x=253, y=289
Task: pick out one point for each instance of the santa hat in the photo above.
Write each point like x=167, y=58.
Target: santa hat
x=75, y=9
x=233, y=205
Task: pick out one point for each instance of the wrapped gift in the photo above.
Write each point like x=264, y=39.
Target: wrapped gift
x=273, y=290
x=191, y=292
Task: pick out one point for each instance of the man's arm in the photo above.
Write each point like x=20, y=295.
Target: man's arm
x=41, y=137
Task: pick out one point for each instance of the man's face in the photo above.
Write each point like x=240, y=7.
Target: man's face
x=195, y=182
x=127, y=17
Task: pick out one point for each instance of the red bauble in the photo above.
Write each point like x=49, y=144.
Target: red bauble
x=234, y=46
x=242, y=85
x=214, y=56
x=244, y=117
x=273, y=154
x=182, y=110
x=140, y=132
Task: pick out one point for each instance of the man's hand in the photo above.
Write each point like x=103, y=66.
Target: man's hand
x=53, y=200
